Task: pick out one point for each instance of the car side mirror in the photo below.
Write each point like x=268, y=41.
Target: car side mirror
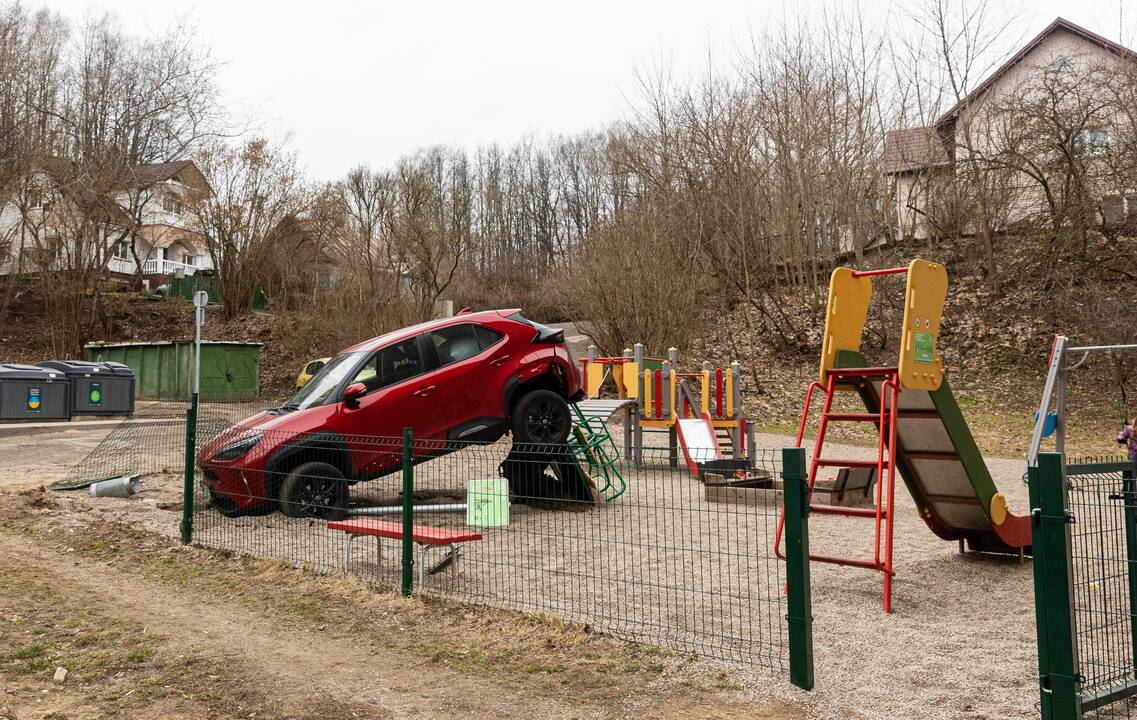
x=353, y=392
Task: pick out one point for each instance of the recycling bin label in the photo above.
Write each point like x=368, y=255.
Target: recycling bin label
x=95, y=394
x=34, y=401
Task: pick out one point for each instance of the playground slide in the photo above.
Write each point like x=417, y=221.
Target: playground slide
x=940, y=463
x=698, y=440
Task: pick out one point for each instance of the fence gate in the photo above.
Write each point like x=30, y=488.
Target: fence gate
x=1084, y=534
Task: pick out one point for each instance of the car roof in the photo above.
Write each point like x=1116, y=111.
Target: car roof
x=404, y=333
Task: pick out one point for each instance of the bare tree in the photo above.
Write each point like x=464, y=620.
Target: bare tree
x=256, y=187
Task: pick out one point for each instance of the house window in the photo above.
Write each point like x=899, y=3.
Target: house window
x=122, y=250
x=1092, y=141
x=171, y=204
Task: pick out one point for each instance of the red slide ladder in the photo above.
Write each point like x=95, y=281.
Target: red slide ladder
x=885, y=465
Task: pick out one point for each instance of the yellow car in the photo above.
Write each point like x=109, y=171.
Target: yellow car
x=310, y=369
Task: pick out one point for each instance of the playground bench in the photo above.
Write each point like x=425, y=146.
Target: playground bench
x=424, y=536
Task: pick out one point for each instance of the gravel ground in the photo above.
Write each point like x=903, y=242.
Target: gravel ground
x=663, y=566
x=960, y=641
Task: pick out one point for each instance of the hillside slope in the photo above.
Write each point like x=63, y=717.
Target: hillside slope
x=995, y=350
x=995, y=346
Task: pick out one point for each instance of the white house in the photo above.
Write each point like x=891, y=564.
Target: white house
x=135, y=224
x=916, y=158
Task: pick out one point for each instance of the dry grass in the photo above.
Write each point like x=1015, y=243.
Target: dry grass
x=532, y=656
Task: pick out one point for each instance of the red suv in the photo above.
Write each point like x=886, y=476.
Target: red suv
x=472, y=377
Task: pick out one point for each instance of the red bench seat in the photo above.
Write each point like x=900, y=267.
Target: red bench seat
x=423, y=536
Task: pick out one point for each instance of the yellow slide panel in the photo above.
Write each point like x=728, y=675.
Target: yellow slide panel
x=921, y=367
x=593, y=379
x=845, y=315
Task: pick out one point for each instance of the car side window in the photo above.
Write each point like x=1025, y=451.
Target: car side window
x=393, y=364
x=487, y=337
x=455, y=343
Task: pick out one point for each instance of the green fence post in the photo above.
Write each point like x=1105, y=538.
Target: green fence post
x=408, y=511
x=1053, y=590
x=187, y=481
x=1129, y=496
x=799, y=615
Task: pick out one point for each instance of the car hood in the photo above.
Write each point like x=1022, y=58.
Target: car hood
x=276, y=425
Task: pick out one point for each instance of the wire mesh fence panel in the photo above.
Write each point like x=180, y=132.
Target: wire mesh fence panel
x=151, y=441
x=1103, y=555
x=668, y=562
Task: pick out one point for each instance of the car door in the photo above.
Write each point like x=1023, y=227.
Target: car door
x=401, y=392
x=468, y=387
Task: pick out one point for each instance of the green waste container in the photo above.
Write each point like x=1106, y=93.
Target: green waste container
x=97, y=388
x=28, y=392
x=230, y=370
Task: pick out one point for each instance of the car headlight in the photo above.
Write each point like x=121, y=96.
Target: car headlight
x=238, y=448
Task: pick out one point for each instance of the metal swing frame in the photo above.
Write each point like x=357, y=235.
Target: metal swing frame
x=1055, y=389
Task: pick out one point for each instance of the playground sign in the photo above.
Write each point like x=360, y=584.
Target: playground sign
x=487, y=502
x=925, y=344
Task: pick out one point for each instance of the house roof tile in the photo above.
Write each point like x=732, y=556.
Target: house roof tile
x=913, y=149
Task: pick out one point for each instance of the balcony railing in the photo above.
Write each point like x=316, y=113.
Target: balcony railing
x=121, y=265
x=167, y=267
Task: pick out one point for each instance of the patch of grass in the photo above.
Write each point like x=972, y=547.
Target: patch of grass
x=784, y=428
x=139, y=655
x=28, y=652
x=85, y=640
x=308, y=609
x=98, y=550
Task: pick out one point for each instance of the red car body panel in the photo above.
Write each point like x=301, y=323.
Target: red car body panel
x=468, y=399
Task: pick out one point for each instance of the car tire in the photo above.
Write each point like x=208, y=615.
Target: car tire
x=541, y=417
x=314, y=489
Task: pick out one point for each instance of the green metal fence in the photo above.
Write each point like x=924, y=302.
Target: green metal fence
x=1084, y=535
x=662, y=564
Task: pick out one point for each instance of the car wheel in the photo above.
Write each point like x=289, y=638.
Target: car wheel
x=543, y=417
x=314, y=489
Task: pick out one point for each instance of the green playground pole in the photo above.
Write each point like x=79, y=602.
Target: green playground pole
x=1053, y=590
x=799, y=615
x=408, y=512
x=1129, y=497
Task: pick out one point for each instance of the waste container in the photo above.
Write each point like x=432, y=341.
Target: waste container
x=28, y=392
x=97, y=388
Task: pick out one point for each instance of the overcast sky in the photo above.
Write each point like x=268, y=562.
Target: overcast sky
x=354, y=82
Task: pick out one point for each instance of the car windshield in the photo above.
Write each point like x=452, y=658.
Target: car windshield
x=317, y=390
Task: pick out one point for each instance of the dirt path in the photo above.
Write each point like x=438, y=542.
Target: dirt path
x=209, y=652
x=296, y=666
